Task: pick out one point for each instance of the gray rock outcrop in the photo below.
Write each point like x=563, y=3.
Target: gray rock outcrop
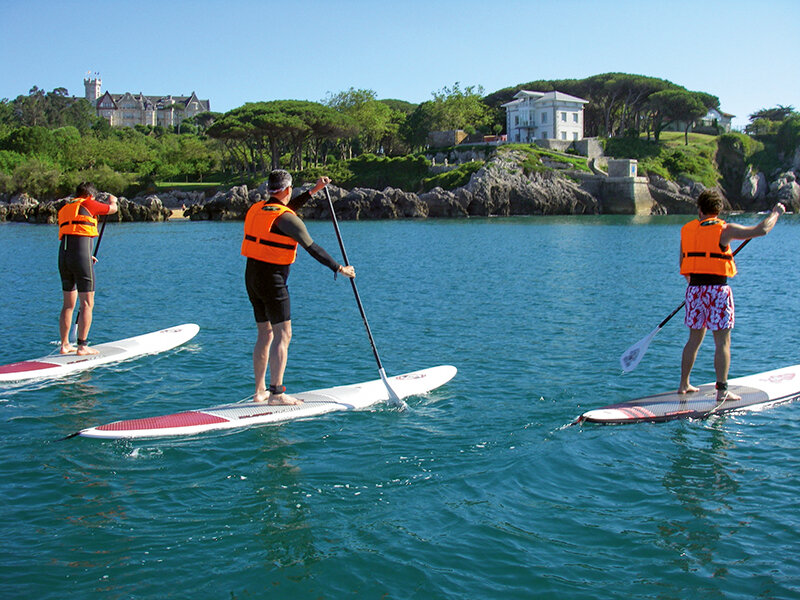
x=24, y=209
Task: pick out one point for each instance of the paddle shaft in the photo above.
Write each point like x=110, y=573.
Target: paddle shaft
x=675, y=312
x=353, y=281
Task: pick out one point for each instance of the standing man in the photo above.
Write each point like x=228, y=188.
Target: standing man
x=272, y=231
x=77, y=227
x=707, y=263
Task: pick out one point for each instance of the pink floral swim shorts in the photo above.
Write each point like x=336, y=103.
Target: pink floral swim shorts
x=709, y=307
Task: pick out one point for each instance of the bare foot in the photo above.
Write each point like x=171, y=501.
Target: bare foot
x=727, y=397
x=67, y=348
x=689, y=389
x=283, y=399
x=261, y=396
x=86, y=351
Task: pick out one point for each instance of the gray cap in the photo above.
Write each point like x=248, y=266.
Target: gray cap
x=279, y=180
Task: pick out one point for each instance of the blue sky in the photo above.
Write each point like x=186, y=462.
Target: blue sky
x=240, y=51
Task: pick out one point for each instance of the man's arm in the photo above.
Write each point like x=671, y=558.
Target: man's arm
x=733, y=231
x=291, y=226
x=300, y=200
x=96, y=207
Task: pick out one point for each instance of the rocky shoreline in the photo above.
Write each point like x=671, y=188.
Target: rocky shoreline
x=499, y=188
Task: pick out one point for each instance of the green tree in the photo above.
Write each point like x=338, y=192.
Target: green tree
x=777, y=113
x=32, y=141
x=454, y=108
x=370, y=120
x=417, y=125
x=788, y=137
x=669, y=106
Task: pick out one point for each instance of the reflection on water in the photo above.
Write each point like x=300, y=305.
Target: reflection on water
x=474, y=492
x=700, y=479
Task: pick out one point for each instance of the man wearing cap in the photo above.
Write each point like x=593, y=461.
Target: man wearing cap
x=272, y=231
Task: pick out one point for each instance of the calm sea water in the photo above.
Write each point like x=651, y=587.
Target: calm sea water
x=478, y=490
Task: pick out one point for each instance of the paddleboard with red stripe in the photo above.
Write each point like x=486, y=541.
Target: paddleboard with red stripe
x=757, y=392
x=59, y=365
x=246, y=414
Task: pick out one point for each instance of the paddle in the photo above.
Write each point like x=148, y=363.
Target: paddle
x=73, y=331
x=394, y=399
x=631, y=357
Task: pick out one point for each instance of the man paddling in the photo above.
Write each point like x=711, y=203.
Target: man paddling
x=77, y=228
x=707, y=262
x=272, y=231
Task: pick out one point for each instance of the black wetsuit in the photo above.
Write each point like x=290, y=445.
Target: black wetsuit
x=266, y=282
x=75, y=264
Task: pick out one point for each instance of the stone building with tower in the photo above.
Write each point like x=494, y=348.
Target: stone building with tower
x=128, y=110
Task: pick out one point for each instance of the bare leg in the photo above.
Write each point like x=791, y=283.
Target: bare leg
x=260, y=357
x=85, y=322
x=278, y=356
x=65, y=320
x=687, y=360
x=722, y=362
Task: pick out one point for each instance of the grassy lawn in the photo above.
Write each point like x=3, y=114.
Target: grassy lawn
x=671, y=157
x=677, y=138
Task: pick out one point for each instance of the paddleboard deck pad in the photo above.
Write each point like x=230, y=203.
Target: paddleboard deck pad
x=246, y=414
x=59, y=365
x=757, y=392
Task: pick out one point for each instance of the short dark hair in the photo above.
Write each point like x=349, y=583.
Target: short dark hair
x=85, y=190
x=710, y=202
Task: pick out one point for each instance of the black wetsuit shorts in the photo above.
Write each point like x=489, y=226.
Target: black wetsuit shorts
x=266, y=288
x=75, y=263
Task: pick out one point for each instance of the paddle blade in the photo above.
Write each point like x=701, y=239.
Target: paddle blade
x=73, y=333
x=633, y=355
x=394, y=399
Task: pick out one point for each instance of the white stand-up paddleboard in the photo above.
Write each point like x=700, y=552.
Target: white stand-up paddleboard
x=245, y=414
x=758, y=391
x=59, y=365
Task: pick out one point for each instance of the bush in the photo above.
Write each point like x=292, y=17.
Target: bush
x=404, y=172
x=788, y=138
x=104, y=178
x=37, y=178
x=370, y=171
x=454, y=178
x=338, y=171
x=10, y=160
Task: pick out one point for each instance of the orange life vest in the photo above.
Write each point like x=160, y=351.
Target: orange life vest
x=700, y=249
x=259, y=241
x=75, y=219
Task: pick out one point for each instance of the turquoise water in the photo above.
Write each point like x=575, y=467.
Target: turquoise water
x=478, y=490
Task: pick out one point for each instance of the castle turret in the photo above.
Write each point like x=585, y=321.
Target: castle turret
x=92, y=86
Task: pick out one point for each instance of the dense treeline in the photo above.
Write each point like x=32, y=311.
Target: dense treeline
x=49, y=141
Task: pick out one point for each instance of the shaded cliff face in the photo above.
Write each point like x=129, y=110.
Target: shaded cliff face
x=733, y=168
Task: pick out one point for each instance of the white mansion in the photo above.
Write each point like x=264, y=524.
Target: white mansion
x=127, y=110
x=544, y=115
